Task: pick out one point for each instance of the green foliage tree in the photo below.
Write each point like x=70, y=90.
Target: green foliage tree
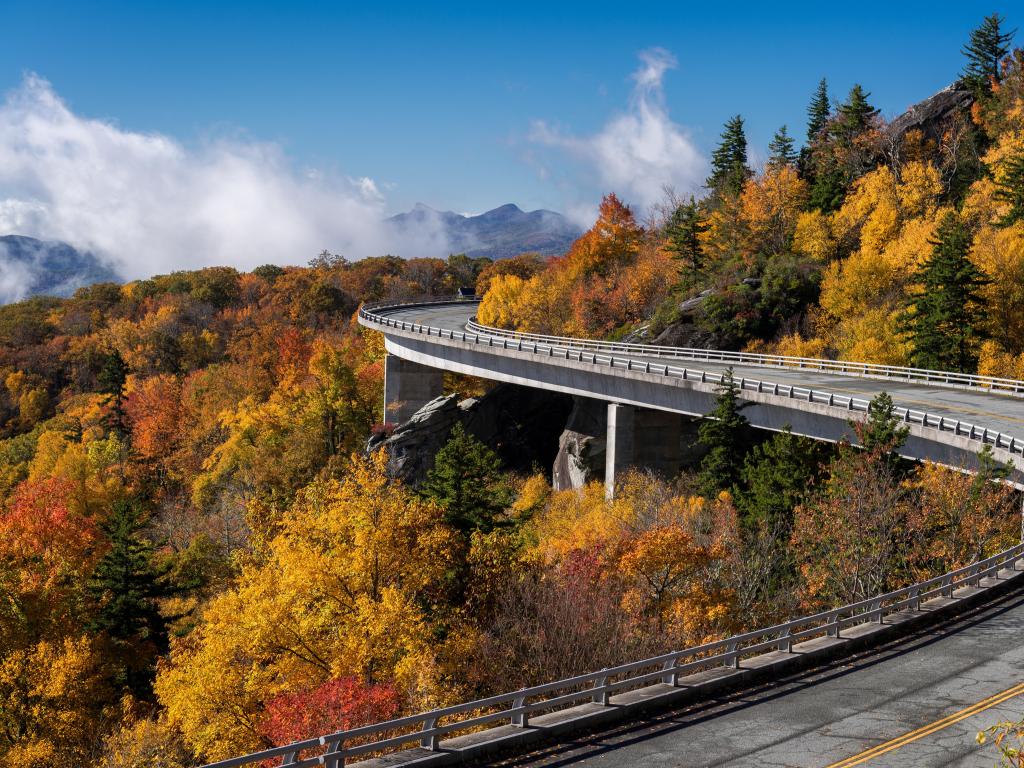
x=945, y=316
x=776, y=475
x=729, y=169
x=1010, y=189
x=818, y=111
x=683, y=240
x=882, y=431
x=466, y=481
x=127, y=586
x=985, y=50
x=724, y=434
x=854, y=115
x=781, y=149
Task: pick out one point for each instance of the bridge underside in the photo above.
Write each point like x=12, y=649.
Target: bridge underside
x=651, y=392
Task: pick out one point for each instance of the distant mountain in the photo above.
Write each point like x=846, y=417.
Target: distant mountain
x=30, y=267
x=500, y=233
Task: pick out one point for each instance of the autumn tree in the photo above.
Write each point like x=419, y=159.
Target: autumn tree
x=729, y=169
x=723, y=433
x=945, y=318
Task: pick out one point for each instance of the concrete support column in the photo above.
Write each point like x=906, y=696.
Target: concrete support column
x=408, y=386
x=644, y=438
x=619, y=445
x=657, y=439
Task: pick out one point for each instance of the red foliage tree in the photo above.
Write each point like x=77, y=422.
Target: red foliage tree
x=335, y=705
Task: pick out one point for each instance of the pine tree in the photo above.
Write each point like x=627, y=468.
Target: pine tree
x=724, y=434
x=781, y=149
x=818, y=111
x=774, y=478
x=127, y=586
x=985, y=51
x=944, y=318
x=466, y=481
x=855, y=114
x=110, y=381
x=882, y=431
x=729, y=170
x=683, y=240
x=1010, y=189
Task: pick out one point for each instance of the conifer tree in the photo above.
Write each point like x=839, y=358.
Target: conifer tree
x=781, y=149
x=818, y=111
x=683, y=240
x=1010, y=189
x=775, y=476
x=724, y=433
x=466, y=481
x=944, y=318
x=882, y=430
x=729, y=168
x=127, y=585
x=985, y=51
x=855, y=114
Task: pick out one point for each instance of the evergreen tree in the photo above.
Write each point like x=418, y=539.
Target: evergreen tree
x=683, y=240
x=985, y=51
x=110, y=381
x=774, y=478
x=818, y=111
x=882, y=430
x=466, y=481
x=729, y=170
x=854, y=115
x=945, y=317
x=127, y=585
x=1010, y=189
x=781, y=149
x=724, y=434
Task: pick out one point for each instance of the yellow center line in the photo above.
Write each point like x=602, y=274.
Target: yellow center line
x=931, y=728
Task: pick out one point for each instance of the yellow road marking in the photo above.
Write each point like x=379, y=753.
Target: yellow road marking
x=931, y=728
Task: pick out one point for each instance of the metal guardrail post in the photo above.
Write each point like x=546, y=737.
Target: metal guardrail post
x=519, y=719
x=600, y=690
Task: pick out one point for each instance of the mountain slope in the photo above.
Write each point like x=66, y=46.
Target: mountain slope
x=30, y=267
x=499, y=233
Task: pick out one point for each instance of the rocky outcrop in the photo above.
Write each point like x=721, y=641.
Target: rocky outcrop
x=931, y=116
x=581, y=446
x=521, y=424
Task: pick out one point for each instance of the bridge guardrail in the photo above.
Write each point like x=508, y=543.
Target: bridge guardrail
x=516, y=707
x=873, y=370
x=576, y=350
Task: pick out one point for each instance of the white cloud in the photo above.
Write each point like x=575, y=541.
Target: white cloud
x=148, y=204
x=638, y=153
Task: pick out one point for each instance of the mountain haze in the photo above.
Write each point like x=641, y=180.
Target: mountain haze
x=499, y=233
x=31, y=267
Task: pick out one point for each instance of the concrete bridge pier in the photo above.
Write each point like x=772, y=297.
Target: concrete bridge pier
x=642, y=438
x=408, y=386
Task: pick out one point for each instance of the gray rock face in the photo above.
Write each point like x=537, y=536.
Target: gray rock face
x=581, y=447
x=929, y=116
x=520, y=423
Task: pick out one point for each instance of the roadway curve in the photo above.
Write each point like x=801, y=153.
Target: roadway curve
x=426, y=340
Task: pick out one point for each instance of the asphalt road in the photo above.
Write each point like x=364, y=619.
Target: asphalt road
x=1002, y=413
x=843, y=714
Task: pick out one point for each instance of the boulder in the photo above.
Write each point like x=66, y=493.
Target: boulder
x=581, y=447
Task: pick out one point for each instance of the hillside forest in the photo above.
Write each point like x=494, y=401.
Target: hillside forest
x=199, y=557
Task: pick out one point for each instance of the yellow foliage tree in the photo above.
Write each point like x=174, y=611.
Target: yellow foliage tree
x=340, y=592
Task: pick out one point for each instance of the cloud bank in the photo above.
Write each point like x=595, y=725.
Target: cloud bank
x=638, y=153
x=147, y=204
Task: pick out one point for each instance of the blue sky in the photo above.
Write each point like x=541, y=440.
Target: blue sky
x=449, y=104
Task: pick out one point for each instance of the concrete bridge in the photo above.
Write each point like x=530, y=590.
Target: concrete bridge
x=648, y=389
x=901, y=678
